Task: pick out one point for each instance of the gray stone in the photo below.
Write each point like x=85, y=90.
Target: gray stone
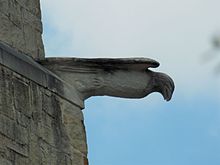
x=5, y=161
x=4, y=7
x=22, y=119
x=18, y=148
x=128, y=77
x=30, y=69
x=21, y=27
x=21, y=135
x=6, y=94
x=36, y=123
x=7, y=127
x=22, y=97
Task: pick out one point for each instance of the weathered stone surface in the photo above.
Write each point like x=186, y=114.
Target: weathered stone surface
x=38, y=124
x=18, y=148
x=22, y=97
x=7, y=127
x=122, y=77
x=21, y=27
x=5, y=161
x=72, y=118
x=29, y=69
x=6, y=99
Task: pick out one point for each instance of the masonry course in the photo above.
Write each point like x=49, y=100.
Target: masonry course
x=38, y=125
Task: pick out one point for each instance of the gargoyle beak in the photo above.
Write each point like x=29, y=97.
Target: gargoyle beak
x=168, y=88
x=163, y=84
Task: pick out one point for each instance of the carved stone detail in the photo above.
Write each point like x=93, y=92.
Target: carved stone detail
x=123, y=77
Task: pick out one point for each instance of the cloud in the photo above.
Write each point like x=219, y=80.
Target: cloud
x=176, y=33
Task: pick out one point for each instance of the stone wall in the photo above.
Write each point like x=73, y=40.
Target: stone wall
x=39, y=124
x=21, y=27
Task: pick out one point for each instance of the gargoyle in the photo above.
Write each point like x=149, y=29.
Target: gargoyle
x=122, y=77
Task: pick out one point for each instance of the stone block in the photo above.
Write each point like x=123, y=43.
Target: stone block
x=4, y=161
x=22, y=97
x=17, y=158
x=47, y=154
x=48, y=103
x=14, y=147
x=68, y=109
x=77, y=158
x=7, y=127
x=40, y=45
x=22, y=119
x=72, y=119
x=21, y=160
x=4, y=152
x=15, y=13
x=77, y=137
x=30, y=40
x=21, y=135
x=4, y=7
x=32, y=20
x=61, y=158
x=35, y=9
x=34, y=150
x=6, y=97
x=47, y=120
x=47, y=134
x=36, y=101
x=11, y=34
x=32, y=6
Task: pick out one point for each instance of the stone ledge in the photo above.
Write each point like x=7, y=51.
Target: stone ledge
x=27, y=67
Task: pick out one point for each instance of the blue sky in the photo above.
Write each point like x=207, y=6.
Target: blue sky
x=148, y=131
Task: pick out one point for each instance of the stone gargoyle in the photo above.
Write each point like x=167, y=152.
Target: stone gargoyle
x=120, y=77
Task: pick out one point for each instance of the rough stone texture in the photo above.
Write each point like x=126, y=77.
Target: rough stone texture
x=21, y=27
x=37, y=125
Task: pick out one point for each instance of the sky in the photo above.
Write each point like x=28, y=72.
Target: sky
x=177, y=33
